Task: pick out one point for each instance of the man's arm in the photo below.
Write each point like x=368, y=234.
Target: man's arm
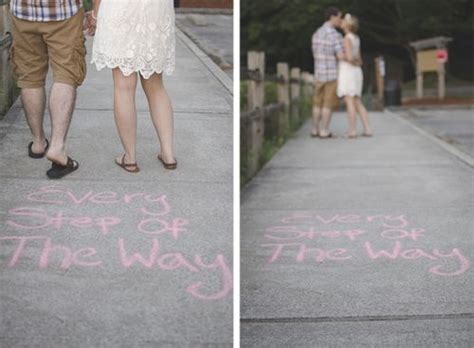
x=314, y=45
x=338, y=47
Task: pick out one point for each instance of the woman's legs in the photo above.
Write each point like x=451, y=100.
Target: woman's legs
x=351, y=116
x=161, y=114
x=364, y=116
x=126, y=113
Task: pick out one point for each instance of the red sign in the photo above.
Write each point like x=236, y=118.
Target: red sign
x=442, y=56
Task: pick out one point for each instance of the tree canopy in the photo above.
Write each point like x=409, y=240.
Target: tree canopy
x=283, y=28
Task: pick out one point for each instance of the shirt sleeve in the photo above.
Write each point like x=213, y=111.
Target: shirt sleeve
x=314, y=44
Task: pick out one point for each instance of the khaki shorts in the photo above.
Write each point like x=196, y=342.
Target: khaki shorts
x=325, y=95
x=36, y=45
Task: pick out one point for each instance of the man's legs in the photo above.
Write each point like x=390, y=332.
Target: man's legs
x=325, y=121
x=329, y=104
x=61, y=106
x=65, y=41
x=29, y=60
x=316, y=119
x=34, y=103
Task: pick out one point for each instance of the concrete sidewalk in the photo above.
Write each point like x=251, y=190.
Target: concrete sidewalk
x=359, y=243
x=213, y=33
x=104, y=258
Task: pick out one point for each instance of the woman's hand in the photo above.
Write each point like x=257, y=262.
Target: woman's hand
x=357, y=61
x=90, y=23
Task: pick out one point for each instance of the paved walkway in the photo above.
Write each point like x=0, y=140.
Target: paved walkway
x=105, y=258
x=454, y=125
x=359, y=243
x=213, y=32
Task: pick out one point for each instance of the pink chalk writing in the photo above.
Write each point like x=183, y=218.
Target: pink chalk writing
x=60, y=196
x=397, y=251
x=309, y=217
x=296, y=233
x=156, y=225
x=150, y=257
x=42, y=220
x=304, y=252
x=291, y=241
x=69, y=257
x=210, y=278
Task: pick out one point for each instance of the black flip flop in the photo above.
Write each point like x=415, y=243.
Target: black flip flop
x=37, y=155
x=59, y=171
x=314, y=135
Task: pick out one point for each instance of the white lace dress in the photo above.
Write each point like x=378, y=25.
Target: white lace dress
x=350, y=78
x=136, y=36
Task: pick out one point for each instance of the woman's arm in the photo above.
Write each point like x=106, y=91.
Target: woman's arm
x=349, y=57
x=348, y=49
x=95, y=7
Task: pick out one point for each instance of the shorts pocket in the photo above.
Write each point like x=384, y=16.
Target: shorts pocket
x=80, y=60
x=11, y=59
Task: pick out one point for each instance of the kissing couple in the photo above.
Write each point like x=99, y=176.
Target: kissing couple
x=135, y=39
x=338, y=73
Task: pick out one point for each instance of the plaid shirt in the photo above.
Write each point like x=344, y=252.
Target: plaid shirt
x=326, y=44
x=45, y=10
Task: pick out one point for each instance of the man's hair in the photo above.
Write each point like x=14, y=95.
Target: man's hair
x=331, y=11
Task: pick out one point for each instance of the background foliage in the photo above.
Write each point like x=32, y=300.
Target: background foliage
x=283, y=29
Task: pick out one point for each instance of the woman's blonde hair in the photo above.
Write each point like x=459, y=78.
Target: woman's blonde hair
x=353, y=22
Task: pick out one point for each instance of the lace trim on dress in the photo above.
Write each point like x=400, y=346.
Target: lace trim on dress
x=129, y=66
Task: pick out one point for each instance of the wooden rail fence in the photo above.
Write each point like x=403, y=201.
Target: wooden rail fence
x=8, y=90
x=266, y=122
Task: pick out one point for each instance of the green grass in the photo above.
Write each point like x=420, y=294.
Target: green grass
x=272, y=141
x=271, y=95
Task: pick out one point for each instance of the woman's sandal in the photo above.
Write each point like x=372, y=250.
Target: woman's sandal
x=329, y=136
x=37, y=155
x=169, y=166
x=368, y=135
x=58, y=170
x=127, y=166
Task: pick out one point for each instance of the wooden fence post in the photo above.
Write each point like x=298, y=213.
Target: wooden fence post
x=256, y=102
x=307, y=84
x=6, y=75
x=283, y=94
x=295, y=92
x=379, y=82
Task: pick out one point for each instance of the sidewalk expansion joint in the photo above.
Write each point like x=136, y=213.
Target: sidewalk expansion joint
x=348, y=319
x=115, y=180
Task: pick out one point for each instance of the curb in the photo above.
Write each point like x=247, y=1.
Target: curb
x=447, y=147
x=219, y=60
x=205, y=10
x=215, y=70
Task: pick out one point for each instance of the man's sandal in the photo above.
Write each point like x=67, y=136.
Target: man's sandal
x=59, y=170
x=127, y=166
